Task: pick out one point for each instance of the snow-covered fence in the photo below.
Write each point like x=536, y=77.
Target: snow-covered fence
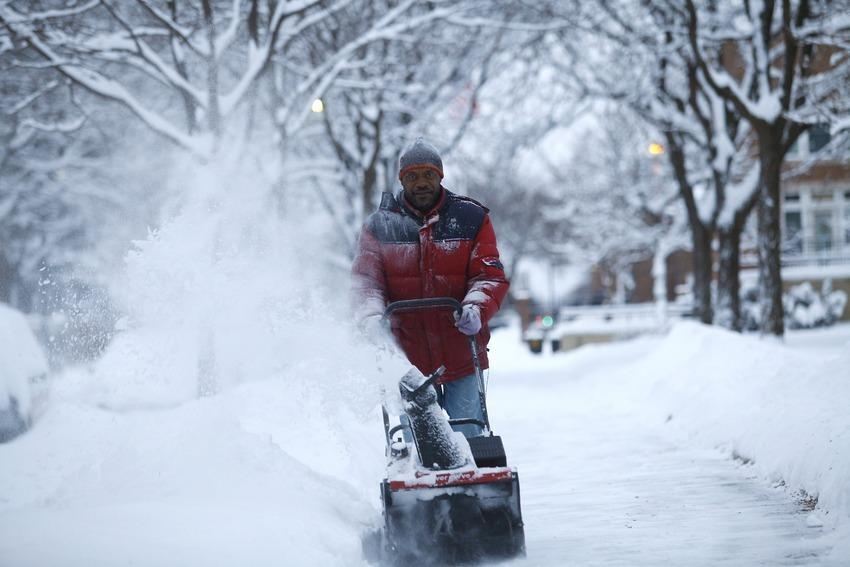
x=799, y=251
x=578, y=325
x=624, y=311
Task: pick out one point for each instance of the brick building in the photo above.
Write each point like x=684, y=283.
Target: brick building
x=815, y=226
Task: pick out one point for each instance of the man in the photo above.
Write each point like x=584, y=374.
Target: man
x=429, y=242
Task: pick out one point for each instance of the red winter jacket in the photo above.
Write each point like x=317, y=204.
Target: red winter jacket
x=448, y=252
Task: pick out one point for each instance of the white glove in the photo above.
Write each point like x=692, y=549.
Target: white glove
x=469, y=322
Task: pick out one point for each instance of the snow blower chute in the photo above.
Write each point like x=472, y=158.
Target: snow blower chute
x=446, y=499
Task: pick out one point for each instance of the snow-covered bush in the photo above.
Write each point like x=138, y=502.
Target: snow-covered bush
x=805, y=308
x=22, y=364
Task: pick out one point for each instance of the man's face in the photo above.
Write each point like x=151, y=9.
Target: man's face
x=421, y=187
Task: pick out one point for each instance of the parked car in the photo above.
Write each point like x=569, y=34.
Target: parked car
x=23, y=372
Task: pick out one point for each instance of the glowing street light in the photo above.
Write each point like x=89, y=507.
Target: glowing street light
x=655, y=149
x=317, y=106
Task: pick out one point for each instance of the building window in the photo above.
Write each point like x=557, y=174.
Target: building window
x=822, y=196
x=816, y=224
x=847, y=223
x=823, y=231
x=793, y=232
x=818, y=137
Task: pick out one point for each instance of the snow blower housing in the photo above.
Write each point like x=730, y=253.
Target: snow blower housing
x=446, y=498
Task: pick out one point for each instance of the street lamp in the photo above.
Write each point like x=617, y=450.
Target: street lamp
x=317, y=106
x=655, y=149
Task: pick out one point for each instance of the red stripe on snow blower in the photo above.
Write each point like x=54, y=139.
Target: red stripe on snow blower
x=441, y=479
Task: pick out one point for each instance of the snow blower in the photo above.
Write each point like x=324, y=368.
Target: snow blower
x=447, y=499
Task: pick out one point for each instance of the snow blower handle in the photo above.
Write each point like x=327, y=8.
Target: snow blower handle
x=423, y=304
x=406, y=305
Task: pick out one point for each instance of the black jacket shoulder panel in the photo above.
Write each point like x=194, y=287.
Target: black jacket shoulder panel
x=390, y=224
x=389, y=202
x=460, y=219
x=469, y=200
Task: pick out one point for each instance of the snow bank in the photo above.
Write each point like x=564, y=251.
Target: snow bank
x=783, y=408
x=21, y=359
x=234, y=479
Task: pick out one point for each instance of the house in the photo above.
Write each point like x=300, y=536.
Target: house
x=815, y=227
x=816, y=214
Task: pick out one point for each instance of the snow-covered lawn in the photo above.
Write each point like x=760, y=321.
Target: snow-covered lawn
x=624, y=453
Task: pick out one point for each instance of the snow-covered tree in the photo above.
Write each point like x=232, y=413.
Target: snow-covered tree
x=652, y=74
x=500, y=159
x=621, y=203
x=762, y=58
x=54, y=191
x=186, y=69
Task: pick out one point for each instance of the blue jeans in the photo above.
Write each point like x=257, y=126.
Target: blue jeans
x=460, y=399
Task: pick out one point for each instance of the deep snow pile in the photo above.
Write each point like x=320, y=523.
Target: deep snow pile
x=784, y=409
x=257, y=476
x=22, y=362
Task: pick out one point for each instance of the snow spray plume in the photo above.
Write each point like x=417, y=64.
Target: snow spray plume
x=228, y=291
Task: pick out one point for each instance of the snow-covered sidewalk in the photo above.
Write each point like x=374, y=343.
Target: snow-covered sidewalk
x=625, y=450
x=624, y=453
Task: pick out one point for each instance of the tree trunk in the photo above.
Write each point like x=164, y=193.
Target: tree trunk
x=729, y=270
x=769, y=235
x=701, y=238
x=619, y=286
x=729, y=278
x=370, y=175
x=701, y=235
x=7, y=279
x=213, y=110
x=659, y=281
x=179, y=59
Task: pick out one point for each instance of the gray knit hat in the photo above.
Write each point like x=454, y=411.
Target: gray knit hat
x=420, y=154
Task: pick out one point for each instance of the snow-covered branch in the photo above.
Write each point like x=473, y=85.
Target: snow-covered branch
x=228, y=36
x=386, y=28
x=106, y=88
x=259, y=56
x=33, y=17
x=32, y=97
x=764, y=109
x=185, y=34
x=63, y=127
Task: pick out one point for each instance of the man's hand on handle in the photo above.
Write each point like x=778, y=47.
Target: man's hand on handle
x=469, y=321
